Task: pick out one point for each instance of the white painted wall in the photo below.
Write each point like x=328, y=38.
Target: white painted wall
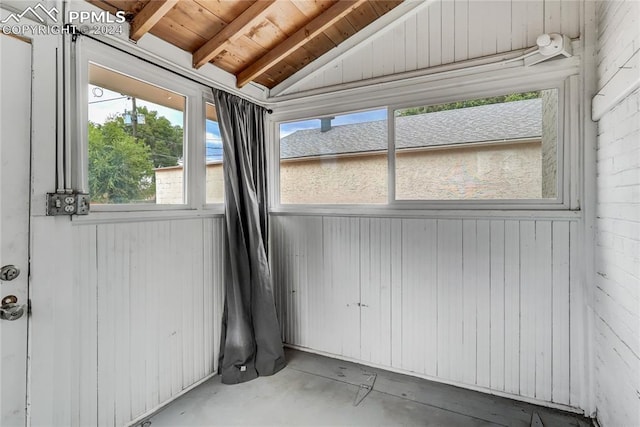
x=617, y=280
x=444, y=32
x=125, y=316
x=486, y=302
x=489, y=300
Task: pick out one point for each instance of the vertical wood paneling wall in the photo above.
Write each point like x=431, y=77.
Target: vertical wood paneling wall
x=444, y=32
x=491, y=303
x=136, y=319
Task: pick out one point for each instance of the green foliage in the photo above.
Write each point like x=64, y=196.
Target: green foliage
x=469, y=103
x=164, y=139
x=120, y=168
x=121, y=164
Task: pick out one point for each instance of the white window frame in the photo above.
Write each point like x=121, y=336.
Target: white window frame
x=549, y=203
x=196, y=95
x=208, y=99
x=443, y=91
x=276, y=165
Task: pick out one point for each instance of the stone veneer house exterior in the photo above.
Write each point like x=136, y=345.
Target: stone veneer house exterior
x=494, y=151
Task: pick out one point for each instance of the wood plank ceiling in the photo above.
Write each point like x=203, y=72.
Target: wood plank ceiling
x=263, y=41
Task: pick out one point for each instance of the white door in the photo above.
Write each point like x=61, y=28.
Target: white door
x=15, y=111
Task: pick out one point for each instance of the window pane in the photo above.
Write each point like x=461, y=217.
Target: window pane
x=503, y=147
x=335, y=160
x=135, y=140
x=213, y=144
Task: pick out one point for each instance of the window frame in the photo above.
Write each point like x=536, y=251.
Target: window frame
x=194, y=134
x=451, y=91
x=547, y=203
x=276, y=165
x=208, y=99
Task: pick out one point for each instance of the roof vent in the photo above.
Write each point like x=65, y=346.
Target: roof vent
x=325, y=123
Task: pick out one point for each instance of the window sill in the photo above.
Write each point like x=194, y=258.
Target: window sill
x=107, y=217
x=525, y=212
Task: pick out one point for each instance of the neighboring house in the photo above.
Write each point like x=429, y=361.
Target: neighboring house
x=170, y=187
x=487, y=152
x=169, y=180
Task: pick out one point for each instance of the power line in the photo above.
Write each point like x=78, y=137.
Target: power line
x=111, y=99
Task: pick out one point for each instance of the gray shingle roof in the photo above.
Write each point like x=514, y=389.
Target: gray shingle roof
x=494, y=122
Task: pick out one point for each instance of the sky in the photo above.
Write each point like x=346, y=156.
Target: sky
x=362, y=117
x=111, y=103
x=104, y=103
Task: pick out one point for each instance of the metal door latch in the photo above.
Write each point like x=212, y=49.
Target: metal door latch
x=9, y=272
x=10, y=309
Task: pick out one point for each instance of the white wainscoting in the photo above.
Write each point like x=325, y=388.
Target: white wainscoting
x=125, y=316
x=490, y=303
x=445, y=32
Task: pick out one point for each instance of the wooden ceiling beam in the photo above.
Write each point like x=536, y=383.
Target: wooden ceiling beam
x=298, y=39
x=149, y=16
x=236, y=29
x=104, y=6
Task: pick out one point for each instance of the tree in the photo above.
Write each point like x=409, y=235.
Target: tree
x=163, y=138
x=470, y=103
x=120, y=168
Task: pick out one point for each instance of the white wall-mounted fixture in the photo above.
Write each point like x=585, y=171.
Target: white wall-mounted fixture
x=549, y=46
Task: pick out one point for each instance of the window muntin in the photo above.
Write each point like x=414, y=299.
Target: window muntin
x=497, y=148
x=335, y=160
x=135, y=140
x=213, y=157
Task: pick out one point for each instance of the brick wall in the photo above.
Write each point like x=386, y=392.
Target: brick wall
x=169, y=187
x=499, y=171
x=617, y=281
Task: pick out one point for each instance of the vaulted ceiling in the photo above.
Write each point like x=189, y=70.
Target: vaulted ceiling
x=263, y=41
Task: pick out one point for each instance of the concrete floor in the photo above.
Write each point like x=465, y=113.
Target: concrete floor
x=317, y=390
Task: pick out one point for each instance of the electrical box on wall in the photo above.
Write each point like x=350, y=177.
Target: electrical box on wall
x=67, y=203
x=550, y=46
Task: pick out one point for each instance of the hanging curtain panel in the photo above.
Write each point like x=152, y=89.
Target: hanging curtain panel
x=250, y=345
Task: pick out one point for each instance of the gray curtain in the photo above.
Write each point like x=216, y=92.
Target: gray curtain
x=250, y=344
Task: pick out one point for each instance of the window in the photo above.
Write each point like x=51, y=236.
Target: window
x=135, y=140
x=170, y=180
x=148, y=138
x=502, y=150
x=335, y=160
x=213, y=157
x=496, y=148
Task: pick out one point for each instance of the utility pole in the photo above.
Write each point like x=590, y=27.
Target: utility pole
x=134, y=117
